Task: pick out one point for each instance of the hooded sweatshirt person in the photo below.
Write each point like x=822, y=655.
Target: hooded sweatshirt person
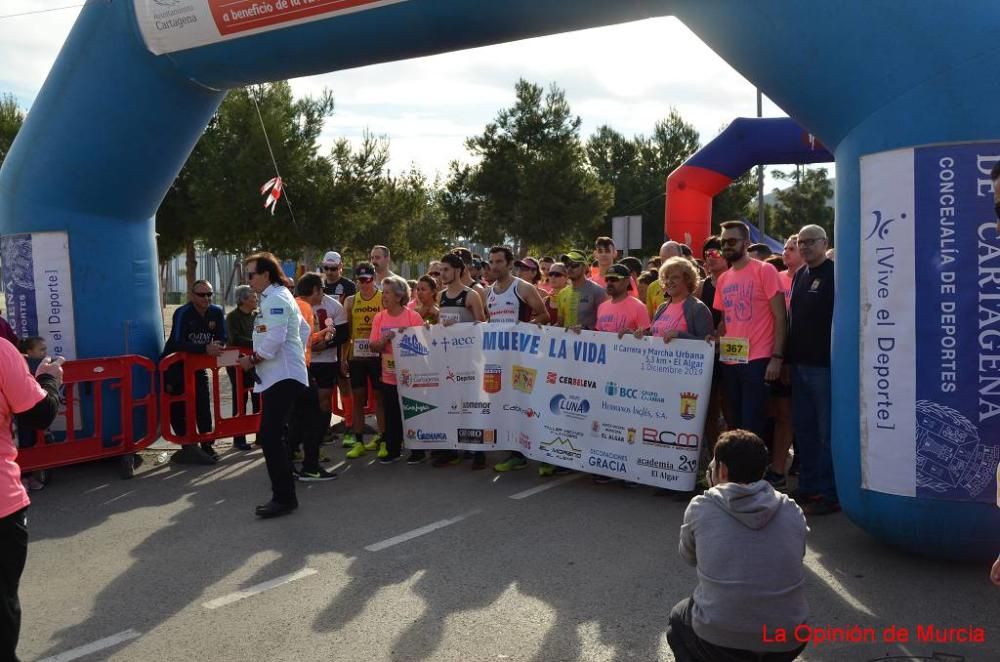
x=747, y=542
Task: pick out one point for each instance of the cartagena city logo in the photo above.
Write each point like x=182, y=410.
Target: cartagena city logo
x=523, y=379
x=572, y=406
x=413, y=408
x=410, y=346
x=689, y=405
x=492, y=378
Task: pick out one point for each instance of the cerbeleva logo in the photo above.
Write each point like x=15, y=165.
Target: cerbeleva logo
x=410, y=346
x=412, y=408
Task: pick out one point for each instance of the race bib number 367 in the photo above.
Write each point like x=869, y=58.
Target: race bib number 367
x=734, y=350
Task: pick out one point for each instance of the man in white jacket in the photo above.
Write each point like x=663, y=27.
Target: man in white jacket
x=747, y=542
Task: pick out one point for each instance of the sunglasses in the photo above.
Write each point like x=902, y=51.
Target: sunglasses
x=809, y=242
x=365, y=279
x=574, y=265
x=333, y=268
x=556, y=274
x=207, y=295
x=712, y=253
x=433, y=274
x=734, y=241
x=612, y=279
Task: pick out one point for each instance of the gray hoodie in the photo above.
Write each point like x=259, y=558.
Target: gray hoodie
x=747, y=543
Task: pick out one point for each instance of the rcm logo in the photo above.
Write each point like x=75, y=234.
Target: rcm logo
x=668, y=438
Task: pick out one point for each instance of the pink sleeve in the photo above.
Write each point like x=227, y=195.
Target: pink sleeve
x=376, y=328
x=770, y=280
x=17, y=385
x=415, y=319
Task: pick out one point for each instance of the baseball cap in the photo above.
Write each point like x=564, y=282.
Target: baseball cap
x=364, y=271
x=619, y=270
x=574, y=256
x=529, y=262
x=332, y=257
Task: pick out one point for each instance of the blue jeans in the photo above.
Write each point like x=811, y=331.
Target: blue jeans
x=747, y=393
x=811, y=395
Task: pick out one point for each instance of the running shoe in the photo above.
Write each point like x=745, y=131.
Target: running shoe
x=357, y=451
x=602, y=480
x=349, y=440
x=820, y=506
x=546, y=470
x=416, y=457
x=383, y=451
x=446, y=460
x=511, y=464
x=317, y=476
x=373, y=444
x=777, y=480
x=387, y=459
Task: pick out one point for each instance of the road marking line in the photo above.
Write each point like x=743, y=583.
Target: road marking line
x=120, y=496
x=416, y=533
x=99, y=487
x=259, y=588
x=547, y=486
x=100, y=644
x=176, y=474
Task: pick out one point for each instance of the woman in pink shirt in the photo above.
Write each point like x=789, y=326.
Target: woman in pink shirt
x=35, y=402
x=682, y=315
x=395, y=296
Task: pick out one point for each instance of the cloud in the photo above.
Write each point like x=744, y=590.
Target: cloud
x=626, y=76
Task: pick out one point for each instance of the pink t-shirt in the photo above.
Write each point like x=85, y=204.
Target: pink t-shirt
x=628, y=314
x=786, y=286
x=19, y=392
x=383, y=322
x=671, y=319
x=743, y=296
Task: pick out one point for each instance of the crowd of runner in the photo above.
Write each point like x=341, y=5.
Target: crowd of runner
x=769, y=317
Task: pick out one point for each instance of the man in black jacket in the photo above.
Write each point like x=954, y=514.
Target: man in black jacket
x=35, y=401
x=199, y=327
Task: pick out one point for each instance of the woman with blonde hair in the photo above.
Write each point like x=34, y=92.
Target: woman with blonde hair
x=682, y=315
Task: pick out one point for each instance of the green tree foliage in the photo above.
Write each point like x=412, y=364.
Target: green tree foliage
x=806, y=201
x=216, y=198
x=11, y=119
x=530, y=177
x=638, y=167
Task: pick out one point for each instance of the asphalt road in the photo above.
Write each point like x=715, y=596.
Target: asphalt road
x=152, y=569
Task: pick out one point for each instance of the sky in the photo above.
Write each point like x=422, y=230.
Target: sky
x=626, y=76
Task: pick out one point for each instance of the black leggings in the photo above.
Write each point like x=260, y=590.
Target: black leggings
x=393, y=420
x=13, y=553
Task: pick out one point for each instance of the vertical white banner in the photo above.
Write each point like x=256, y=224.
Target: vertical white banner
x=888, y=344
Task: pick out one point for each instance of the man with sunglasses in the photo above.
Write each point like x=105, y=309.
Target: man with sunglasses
x=199, y=327
x=753, y=328
x=334, y=283
x=577, y=303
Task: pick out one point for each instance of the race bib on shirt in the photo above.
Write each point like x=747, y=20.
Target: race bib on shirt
x=734, y=350
x=361, y=350
x=388, y=364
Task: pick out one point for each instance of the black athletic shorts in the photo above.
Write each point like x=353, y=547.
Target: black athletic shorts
x=324, y=374
x=364, y=371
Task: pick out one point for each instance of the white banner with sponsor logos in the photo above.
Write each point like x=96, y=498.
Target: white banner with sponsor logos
x=627, y=408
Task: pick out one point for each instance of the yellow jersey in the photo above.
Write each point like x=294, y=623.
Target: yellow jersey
x=363, y=311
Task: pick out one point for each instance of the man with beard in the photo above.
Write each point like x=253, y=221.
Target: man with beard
x=753, y=328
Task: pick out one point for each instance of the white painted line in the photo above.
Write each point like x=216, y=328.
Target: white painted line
x=259, y=588
x=416, y=533
x=546, y=486
x=98, y=645
x=176, y=474
x=120, y=496
x=99, y=487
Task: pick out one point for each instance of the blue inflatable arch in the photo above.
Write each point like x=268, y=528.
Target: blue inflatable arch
x=137, y=81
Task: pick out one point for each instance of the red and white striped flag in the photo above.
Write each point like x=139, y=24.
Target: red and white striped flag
x=272, y=188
